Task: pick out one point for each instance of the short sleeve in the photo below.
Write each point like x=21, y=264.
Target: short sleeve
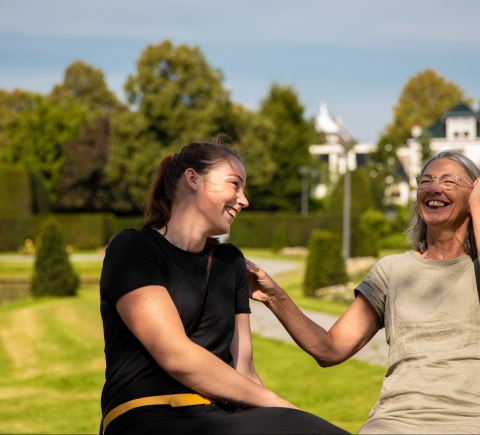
x=375, y=285
x=243, y=302
x=130, y=263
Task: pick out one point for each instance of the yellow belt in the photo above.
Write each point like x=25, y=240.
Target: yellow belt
x=174, y=400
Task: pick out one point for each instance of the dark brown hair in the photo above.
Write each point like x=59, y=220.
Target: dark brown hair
x=199, y=156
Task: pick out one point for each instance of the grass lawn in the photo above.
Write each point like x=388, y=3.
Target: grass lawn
x=52, y=370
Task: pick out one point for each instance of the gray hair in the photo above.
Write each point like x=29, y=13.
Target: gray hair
x=416, y=231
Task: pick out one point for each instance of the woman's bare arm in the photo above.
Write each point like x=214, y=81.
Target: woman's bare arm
x=152, y=317
x=242, y=350
x=347, y=336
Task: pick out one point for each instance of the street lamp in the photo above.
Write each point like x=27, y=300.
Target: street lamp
x=304, y=171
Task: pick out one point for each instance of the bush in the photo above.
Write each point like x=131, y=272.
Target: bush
x=394, y=241
x=325, y=265
x=53, y=274
x=365, y=194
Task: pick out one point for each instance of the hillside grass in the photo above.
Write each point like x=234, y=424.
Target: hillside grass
x=52, y=370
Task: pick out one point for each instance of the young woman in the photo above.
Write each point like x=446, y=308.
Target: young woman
x=175, y=311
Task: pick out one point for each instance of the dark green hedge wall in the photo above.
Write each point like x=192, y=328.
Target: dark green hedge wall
x=82, y=230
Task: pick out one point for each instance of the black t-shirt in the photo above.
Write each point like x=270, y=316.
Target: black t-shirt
x=136, y=259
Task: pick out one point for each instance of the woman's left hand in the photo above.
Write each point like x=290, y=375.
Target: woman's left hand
x=261, y=285
x=474, y=199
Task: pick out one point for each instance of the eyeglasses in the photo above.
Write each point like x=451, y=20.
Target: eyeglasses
x=447, y=181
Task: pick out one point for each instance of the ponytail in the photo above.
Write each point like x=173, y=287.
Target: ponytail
x=158, y=204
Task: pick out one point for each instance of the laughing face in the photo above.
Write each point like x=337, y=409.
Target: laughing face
x=224, y=196
x=445, y=209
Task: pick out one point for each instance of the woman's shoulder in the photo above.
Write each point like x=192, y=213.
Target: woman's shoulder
x=228, y=252
x=391, y=261
x=130, y=238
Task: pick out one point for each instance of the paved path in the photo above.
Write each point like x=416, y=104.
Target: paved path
x=264, y=323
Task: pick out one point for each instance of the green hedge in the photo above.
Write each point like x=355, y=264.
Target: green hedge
x=257, y=229
x=82, y=230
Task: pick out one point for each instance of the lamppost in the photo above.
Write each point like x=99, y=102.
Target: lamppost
x=304, y=171
x=347, y=187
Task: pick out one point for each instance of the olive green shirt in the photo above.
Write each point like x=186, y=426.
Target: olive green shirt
x=431, y=314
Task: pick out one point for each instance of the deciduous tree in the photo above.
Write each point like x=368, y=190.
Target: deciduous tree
x=85, y=84
x=36, y=136
x=180, y=96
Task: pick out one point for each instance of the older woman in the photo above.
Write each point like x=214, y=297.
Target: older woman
x=428, y=302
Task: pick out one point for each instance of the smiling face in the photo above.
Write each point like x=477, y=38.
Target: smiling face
x=223, y=195
x=445, y=209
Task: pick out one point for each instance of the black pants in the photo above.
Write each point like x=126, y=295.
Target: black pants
x=219, y=419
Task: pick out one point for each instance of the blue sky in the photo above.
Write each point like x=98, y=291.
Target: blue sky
x=355, y=55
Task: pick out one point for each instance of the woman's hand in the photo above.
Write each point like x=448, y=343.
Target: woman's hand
x=261, y=285
x=474, y=199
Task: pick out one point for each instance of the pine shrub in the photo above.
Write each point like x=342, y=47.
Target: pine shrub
x=53, y=274
x=325, y=265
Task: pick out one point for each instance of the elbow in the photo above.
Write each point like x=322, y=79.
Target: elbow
x=327, y=363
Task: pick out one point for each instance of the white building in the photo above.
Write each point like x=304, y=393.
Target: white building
x=336, y=139
x=458, y=129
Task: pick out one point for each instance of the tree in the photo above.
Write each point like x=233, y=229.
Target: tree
x=292, y=136
x=133, y=157
x=85, y=84
x=424, y=98
x=255, y=142
x=180, y=96
x=11, y=105
x=35, y=138
x=53, y=274
x=82, y=183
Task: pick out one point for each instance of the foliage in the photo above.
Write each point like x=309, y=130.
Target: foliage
x=82, y=183
x=15, y=193
x=373, y=226
x=35, y=138
x=180, y=96
x=279, y=238
x=256, y=229
x=393, y=241
x=133, y=158
x=85, y=84
x=11, y=105
x=423, y=99
x=53, y=275
x=289, y=148
x=424, y=141
x=255, y=143
x=325, y=265
x=365, y=194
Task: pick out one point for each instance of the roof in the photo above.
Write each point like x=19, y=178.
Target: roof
x=438, y=128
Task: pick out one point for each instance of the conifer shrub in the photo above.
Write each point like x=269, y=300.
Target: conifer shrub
x=325, y=265
x=53, y=274
x=279, y=239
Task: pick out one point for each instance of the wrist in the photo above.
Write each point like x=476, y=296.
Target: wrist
x=275, y=297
